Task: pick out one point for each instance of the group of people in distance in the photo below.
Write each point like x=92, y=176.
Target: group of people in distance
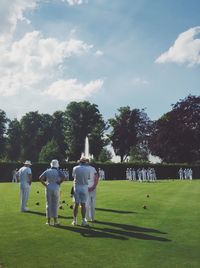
x=84, y=189
x=185, y=174
x=141, y=175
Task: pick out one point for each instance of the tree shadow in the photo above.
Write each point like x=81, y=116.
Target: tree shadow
x=44, y=214
x=115, y=211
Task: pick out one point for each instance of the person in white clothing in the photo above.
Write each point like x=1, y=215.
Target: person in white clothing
x=81, y=175
x=180, y=172
x=24, y=176
x=190, y=173
x=101, y=174
x=91, y=201
x=133, y=174
x=51, y=179
x=14, y=175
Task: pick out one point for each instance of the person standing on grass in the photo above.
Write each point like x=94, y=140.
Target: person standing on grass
x=92, y=184
x=51, y=179
x=81, y=174
x=24, y=176
x=14, y=175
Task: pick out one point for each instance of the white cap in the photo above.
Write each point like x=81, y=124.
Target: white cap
x=27, y=162
x=54, y=163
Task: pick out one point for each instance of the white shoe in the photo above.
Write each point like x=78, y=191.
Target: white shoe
x=84, y=223
x=74, y=223
x=24, y=209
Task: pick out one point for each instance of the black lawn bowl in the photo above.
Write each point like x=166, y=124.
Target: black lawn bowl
x=37, y=203
x=144, y=207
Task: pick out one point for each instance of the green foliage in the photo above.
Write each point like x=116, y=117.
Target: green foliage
x=14, y=140
x=50, y=151
x=36, y=132
x=129, y=129
x=59, y=131
x=176, y=134
x=83, y=119
x=138, y=154
x=105, y=155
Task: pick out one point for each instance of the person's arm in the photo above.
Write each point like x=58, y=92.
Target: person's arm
x=96, y=180
x=30, y=178
x=42, y=179
x=17, y=176
x=61, y=177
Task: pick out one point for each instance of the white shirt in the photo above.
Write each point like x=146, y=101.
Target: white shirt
x=91, y=179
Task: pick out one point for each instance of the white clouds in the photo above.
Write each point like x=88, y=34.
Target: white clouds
x=75, y=2
x=69, y=90
x=11, y=11
x=138, y=81
x=186, y=49
x=33, y=59
x=31, y=66
x=99, y=53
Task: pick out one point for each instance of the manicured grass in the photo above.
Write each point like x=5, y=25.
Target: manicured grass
x=166, y=234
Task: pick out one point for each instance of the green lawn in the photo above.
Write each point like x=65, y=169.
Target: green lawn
x=166, y=234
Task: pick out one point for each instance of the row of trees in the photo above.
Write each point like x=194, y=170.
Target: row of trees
x=175, y=137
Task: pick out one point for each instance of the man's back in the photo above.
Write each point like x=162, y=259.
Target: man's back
x=23, y=174
x=81, y=174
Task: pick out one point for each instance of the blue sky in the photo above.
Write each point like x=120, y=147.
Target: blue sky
x=141, y=53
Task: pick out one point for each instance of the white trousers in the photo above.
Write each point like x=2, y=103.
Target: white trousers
x=14, y=179
x=52, y=201
x=90, y=205
x=24, y=194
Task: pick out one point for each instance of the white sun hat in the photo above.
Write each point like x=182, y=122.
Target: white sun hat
x=54, y=163
x=27, y=162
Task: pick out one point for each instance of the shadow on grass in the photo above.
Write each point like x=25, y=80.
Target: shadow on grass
x=130, y=227
x=120, y=234
x=115, y=211
x=130, y=234
x=44, y=214
x=124, y=231
x=91, y=232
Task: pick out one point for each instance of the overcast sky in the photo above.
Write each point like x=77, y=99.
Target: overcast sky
x=114, y=53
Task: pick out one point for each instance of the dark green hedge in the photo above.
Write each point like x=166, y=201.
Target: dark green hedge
x=113, y=171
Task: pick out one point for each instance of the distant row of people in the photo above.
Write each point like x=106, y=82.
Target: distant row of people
x=185, y=174
x=141, y=174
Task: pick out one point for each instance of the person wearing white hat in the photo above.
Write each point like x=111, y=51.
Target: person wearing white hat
x=24, y=176
x=51, y=179
x=81, y=175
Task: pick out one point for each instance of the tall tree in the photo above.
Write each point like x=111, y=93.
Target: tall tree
x=130, y=128
x=105, y=155
x=59, y=133
x=3, y=121
x=14, y=140
x=176, y=135
x=50, y=151
x=36, y=132
x=83, y=119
